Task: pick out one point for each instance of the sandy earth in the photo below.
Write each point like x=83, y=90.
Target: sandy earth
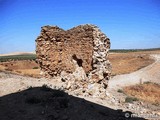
x=150, y=73
x=114, y=101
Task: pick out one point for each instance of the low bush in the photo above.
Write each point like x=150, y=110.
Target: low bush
x=147, y=82
x=35, y=67
x=130, y=99
x=120, y=91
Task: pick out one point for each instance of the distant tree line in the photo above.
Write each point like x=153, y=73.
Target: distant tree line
x=132, y=50
x=17, y=57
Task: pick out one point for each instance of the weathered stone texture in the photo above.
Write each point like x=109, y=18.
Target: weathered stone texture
x=79, y=53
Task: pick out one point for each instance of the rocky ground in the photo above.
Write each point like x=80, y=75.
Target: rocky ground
x=42, y=99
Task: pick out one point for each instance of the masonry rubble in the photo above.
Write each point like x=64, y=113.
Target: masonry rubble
x=78, y=56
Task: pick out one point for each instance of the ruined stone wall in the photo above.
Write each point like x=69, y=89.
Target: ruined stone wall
x=80, y=53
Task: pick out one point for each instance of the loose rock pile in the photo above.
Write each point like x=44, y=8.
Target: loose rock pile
x=78, y=56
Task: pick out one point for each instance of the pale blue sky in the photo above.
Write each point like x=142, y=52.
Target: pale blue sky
x=130, y=24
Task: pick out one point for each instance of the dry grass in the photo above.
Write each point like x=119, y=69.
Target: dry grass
x=2, y=67
x=24, y=67
x=123, y=63
x=29, y=72
x=149, y=92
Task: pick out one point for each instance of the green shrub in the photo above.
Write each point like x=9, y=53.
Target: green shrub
x=120, y=91
x=35, y=67
x=130, y=99
x=147, y=82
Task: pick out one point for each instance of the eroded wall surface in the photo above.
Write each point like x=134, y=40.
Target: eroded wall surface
x=80, y=53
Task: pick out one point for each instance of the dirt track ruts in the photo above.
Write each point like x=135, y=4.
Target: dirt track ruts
x=150, y=73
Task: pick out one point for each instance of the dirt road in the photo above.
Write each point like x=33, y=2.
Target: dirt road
x=150, y=73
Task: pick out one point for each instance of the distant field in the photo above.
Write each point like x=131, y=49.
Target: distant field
x=17, y=57
x=123, y=62
x=33, y=56
x=21, y=67
x=132, y=50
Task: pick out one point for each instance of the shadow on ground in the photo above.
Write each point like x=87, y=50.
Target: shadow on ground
x=43, y=103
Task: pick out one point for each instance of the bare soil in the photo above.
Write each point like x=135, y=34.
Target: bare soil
x=23, y=67
x=123, y=63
